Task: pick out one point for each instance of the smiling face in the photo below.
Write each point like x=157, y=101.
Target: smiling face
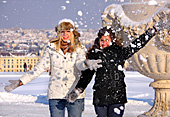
x=105, y=41
x=66, y=35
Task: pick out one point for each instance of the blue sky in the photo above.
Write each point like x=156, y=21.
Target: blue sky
x=45, y=14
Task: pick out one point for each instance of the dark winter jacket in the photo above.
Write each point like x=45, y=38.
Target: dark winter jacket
x=109, y=86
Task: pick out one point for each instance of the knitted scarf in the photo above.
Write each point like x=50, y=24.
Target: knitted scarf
x=65, y=47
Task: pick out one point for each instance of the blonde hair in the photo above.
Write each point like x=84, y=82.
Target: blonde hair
x=74, y=40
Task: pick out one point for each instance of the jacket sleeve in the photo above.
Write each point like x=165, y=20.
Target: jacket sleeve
x=86, y=75
x=85, y=79
x=138, y=43
x=42, y=65
x=81, y=57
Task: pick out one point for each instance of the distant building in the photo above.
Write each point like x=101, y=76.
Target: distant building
x=14, y=62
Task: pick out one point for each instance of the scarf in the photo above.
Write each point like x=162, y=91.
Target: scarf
x=65, y=47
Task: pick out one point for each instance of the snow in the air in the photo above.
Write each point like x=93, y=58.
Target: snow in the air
x=120, y=68
x=4, y=1
x=31, y=99
x=116, y=110
x=63, y=8
x=67, y=1
x=142, y=58
x=80, y=13
x=106, y=34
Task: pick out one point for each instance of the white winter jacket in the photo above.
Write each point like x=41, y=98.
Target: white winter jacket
x=65, y=71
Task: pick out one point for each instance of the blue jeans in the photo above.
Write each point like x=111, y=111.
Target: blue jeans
x=57, y=107
x=114, y=110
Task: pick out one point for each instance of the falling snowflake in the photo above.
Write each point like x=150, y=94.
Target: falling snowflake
x=68, y=41
x=63, y=8
x=121, y=0
x=122, y=108
x=132, y=45
x=139, y=44
x=80, y=22
x=67, y=1
x=120, y=68
x=4, y=2
x=103, y=16
x=116, y=110
x=142, y=58
x=80, y=13
x=146, y=37
x=106, y=33
x=71, y=29
x=108, y=27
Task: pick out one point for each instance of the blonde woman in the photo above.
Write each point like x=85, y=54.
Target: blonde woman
x=66, y=57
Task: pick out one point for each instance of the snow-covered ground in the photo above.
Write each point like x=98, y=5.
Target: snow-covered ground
x=31, y=100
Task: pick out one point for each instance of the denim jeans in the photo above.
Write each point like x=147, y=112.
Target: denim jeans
x=114, y=110
x=57, y=107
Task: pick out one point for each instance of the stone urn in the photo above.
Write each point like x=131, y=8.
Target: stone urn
x=130, y=20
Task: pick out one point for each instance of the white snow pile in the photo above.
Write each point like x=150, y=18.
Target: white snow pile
x=133, y=102
x=141, y=95
x=9, y=97
x=31, y=99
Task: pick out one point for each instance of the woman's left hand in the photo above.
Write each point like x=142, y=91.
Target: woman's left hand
x=93, y=64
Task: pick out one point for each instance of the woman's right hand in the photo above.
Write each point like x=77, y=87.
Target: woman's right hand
x=73, y=95
x=14, y=84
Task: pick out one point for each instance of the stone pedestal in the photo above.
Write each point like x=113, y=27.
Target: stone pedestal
x=161, y=107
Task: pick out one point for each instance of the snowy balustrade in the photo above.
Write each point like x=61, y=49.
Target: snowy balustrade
x=129, y=20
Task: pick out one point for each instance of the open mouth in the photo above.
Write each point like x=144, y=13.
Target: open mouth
x=103, y=46
x=65, y=38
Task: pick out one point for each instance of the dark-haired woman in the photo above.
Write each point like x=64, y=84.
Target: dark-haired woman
x=109, y=88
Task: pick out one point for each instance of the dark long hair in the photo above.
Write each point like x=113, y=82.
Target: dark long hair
x=101, y=33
